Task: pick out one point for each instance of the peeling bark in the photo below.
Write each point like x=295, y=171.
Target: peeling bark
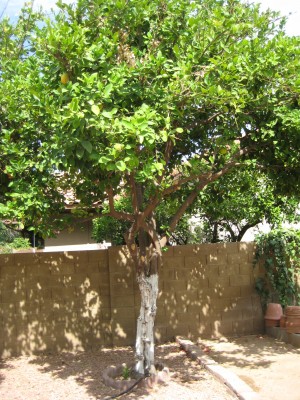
x=148, y=286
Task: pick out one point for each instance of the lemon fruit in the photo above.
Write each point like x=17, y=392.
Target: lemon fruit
x=64, y=78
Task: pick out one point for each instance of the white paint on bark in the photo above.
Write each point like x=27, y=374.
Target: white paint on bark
x=145, y=324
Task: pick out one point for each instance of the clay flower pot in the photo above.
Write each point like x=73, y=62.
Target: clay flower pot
x=273, y=314
x=292, y=319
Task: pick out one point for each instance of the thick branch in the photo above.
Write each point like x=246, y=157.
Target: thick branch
x=209, y=176
x=112, y=212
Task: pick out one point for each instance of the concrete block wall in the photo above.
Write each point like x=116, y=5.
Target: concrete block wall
x=54, y=302
x=208, y=291
x=88, y=299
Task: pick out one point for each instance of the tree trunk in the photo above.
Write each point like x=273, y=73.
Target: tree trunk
x=148, y=286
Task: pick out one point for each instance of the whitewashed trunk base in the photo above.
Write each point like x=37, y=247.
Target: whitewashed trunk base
x=145, y=325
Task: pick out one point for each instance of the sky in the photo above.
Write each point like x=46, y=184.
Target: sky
x=284, y=6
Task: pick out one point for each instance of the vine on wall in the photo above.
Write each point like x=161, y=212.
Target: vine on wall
x=279, y=254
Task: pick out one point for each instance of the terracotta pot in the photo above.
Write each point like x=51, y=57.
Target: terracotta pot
x=271, y=322
x=292, y=319
x=282, y=322
x=274, y=311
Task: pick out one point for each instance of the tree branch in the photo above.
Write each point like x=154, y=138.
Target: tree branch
x=112, y=212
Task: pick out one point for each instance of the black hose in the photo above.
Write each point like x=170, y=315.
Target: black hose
x=127, y=390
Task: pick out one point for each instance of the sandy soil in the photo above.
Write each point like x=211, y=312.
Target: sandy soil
x=270, y=367
x=79, y=377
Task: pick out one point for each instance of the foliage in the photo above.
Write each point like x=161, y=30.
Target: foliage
x=279, y=253
x=18, y=243
x=21, y=243
x=109, y=229
x=240, y=201
x=126, y=372
x=148, y=88
x=7, y=235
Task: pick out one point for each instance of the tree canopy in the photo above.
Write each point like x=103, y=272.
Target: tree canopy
x=144, y=99
x=167, y=94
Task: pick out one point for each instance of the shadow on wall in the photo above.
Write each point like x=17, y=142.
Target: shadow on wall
x=208, y=291
x=89, y=299
x=54, y=302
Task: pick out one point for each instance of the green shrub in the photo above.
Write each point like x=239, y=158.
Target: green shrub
x=21, y=243
x=279, y=254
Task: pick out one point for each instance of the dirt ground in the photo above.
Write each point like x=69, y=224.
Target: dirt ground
x=270, y=367
x=69, y=376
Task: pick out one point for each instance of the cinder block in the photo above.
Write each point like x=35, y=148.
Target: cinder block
x=174, y=286
x=243, y=303
x=12, y=270
x=230, y=292
x=256, y=305
x=238, y=258
x=23, y=259
x=175, y=329
x=122, y=289
x=212, y=271
x=167, y=274
x=198, y=261
x=38, y=270
x=230, y=269
x=105, y=314
x=13, y=295
x=219, y=282
x=160, y=334
x=196, y=274
x=243, y=326
x=104, y=268
x=7, y=259
x=78, y=257
x=63, y=293
x=52, y=258
x=220, y=304
x=104, y=288
x=246, y=268
x=188, y=250
x=62, y=269
x=98, y=255
x=37, y=294
x=258, y=325
x=226, y=247
x=240, y=280
x=122, y=301
x=216, y=258
x=92, y=267
x=120, y=278
x=222, y=328
x=11, y=282
x=232, y=315
x=205, y=293
x=247, y=291
x=203, y=329
x=175, y=262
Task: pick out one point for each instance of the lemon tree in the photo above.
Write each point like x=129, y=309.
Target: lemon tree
x=161, y=97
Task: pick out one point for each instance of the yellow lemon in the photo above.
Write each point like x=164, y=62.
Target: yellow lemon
x=64, y=78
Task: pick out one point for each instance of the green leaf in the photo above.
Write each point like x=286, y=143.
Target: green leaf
x=121, y=166
x=95, y=109
x=107, y=90
x=79, y=152
x=107, y=114
x=87, y=145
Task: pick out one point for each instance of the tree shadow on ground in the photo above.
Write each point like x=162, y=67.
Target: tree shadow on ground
x=86, y=368
x=3, y=365
x=250, y=351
